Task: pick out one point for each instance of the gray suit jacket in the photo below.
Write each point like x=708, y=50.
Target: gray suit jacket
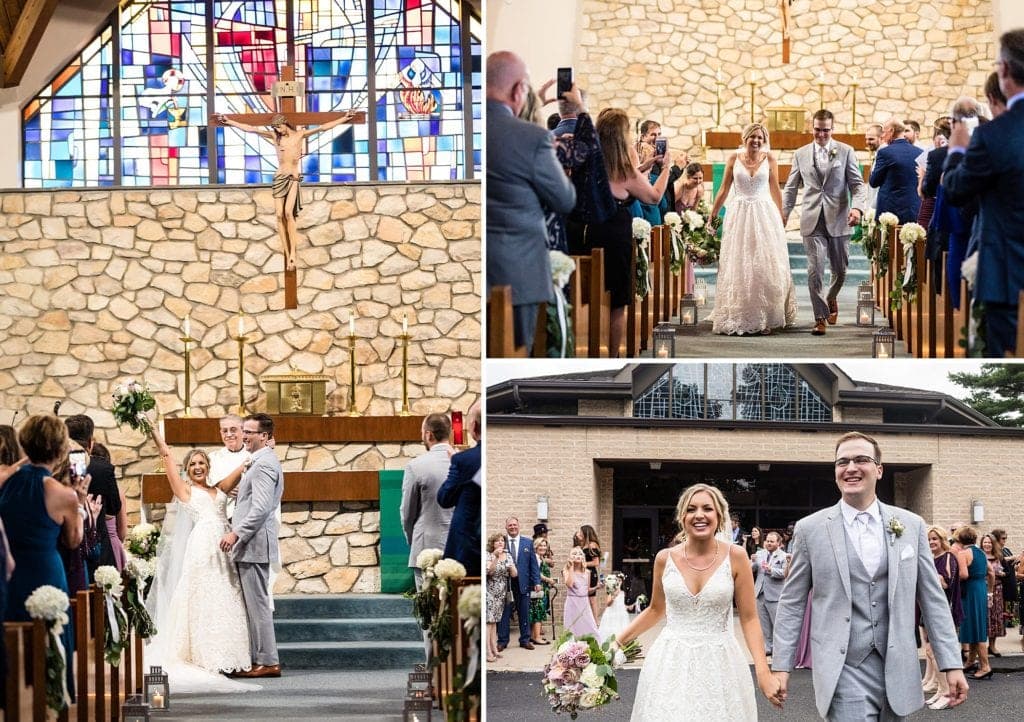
x=769, y=582
x=820, y=563
x=255, y=519
x=831, y=191
x=424, y=521
x=524, y=178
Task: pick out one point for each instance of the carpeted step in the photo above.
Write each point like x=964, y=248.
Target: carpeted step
x=389, y=629
x=334, y=606
x=350, y=655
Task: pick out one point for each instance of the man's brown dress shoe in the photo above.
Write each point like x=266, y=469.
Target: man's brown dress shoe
x=833, y=312
x=501, y=647
x=527, y=646
x=819, y=327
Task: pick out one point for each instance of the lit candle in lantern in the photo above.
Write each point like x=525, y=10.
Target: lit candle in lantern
x=883, y=352
x=688, y=316
x=662, y=352
x=865, y=316
x=158, y=700
x=188, y=326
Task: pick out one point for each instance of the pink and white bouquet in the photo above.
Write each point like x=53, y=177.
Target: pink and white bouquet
x=580, y=675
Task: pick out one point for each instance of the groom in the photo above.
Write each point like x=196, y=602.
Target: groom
x=252, y=541
x=829, y=174
x=868, y=566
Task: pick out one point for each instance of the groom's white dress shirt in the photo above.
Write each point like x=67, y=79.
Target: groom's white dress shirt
x=867, y=541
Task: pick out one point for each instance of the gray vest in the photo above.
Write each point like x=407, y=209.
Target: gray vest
x=869, y=626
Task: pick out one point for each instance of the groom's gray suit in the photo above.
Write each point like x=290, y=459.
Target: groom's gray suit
x=828, y=185
x=255, y=523
x=862, y=626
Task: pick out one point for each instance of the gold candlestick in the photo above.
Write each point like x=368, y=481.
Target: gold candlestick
x=186, y=339
x=853, y=126
x=241, y=338
x=352, y=374
x=405, y=374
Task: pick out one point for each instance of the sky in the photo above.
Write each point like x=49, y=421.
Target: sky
x=927, y=374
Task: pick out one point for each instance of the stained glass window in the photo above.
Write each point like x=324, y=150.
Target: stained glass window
x=423, y=96
x=750, y=392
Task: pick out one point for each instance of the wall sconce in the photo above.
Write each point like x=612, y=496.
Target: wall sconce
x=865, y=312
x=883, y=343
x=977, y=511
x=542, y=508
x=664, y=341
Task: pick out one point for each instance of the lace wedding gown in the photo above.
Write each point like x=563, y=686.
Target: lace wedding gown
x=696, y=664
x=200, y=618
x=754, y=290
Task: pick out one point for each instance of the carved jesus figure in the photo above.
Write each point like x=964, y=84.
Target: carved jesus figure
x=290, y=143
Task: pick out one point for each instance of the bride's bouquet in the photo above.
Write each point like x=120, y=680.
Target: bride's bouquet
x=131, y=402
x=700, y=236
x=612, y=583
x=579, y=675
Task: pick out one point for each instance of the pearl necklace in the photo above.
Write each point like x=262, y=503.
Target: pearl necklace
x=700, y=569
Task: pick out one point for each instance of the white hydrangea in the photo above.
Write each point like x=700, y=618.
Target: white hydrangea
x=589, y=676
x=911, y=233
x=139, y=532
x=450, y=569
x=49, y=603
x=591, y=698
x=110, y=579
x=693, y=220
x=562, y=267
x=869, y=215
x=672, y=219
x=428, y=558
x=888, y=219
x=469, y=602
x=641, y=229
x=139, y=568
x=969, y=269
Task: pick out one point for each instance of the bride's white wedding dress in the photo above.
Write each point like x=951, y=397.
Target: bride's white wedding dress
x=754, y=291
x=696, y=664
x=200, y=616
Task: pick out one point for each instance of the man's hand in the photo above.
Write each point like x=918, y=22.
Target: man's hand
x=785, y=218
x=959, y=136
x=957, y=686
x=536, y=587
x=228, y=541
x=220, y=118
x=854, y=218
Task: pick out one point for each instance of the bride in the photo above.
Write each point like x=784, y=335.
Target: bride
x=196, y=599
x=696, y=663
x=754, y=292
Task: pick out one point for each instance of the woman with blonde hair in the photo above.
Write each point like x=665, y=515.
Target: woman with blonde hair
x=754, y=290
x=615, y=235
x=696, y=662
x=948, y=569
x=578, y=617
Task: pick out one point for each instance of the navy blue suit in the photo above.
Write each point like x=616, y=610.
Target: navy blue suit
x=529, y=577
x=462, y=492
x=991, y=171
x=895, y=176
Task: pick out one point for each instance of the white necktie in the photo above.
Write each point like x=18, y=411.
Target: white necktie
x=869, y=552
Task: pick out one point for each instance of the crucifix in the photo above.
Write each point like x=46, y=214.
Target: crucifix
x=784, y=12
x=288, y=134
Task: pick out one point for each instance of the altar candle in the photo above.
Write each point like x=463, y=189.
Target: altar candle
x=718, y=75
x=188, y=326
x=160, y=426
x=405, y=323
x=241, y=325
x=352, y=325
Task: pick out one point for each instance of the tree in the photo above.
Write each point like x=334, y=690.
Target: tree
x=996, y=391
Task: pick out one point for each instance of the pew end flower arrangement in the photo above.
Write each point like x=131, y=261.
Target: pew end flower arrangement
x=885, y=222
x=642, y=236
x=51, y=605
x=430, y=604
x=116, y=635
x=466, y=678
x=559, y=314
x=678, y=248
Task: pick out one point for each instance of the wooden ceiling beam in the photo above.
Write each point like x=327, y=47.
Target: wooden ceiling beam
x=35, y=16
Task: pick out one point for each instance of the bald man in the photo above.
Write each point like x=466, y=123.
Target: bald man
x=524, y=179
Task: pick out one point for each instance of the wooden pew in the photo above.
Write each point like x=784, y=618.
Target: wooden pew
x=540, y=336
x=594, y=337
x=444, y=673
x=500, y=328
x=633, y=311
x=26, y=654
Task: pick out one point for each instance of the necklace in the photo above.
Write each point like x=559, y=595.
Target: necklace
x=700, y=569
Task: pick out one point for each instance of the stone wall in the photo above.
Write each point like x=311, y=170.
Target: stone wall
x=94, y=286
x=659, y=58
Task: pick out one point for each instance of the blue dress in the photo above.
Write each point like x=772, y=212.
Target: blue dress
x=32, y=536
x=974, y=627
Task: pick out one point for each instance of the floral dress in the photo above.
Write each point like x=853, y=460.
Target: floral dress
x=497, y=588
x=539, y=606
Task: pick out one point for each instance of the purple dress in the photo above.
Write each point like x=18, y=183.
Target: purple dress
x=803, y=646
x=578, y=616
x=949, y=569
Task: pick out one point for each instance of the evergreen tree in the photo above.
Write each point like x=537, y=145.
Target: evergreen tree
x=996, y=391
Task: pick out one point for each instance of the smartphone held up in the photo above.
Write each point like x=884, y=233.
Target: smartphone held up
x=564, y=81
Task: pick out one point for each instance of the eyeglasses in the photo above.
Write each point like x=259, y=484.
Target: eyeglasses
x=246, y=432
x=858, y=460
x=822, y=130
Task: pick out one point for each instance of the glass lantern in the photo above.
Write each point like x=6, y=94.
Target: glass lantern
x=688, y=310
x=135, y=709
x=883, y=343
x=865, y=312
x=155, y=689
x=417, y=710
x=865, y=292
x=419, y=685
x=700, y=291
x=664, y=341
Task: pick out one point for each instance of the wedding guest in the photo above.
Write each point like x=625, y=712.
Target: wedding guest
x=6, y=569
x=994, y=96
x=996, y=604
x=81, y=429
x=615, y=235
x=948, y=569
x=591, y=545
x=228, y=460
x=500, y=568
x=539, y=601
x=987, y=165
x=36, y=510
x=81, y=561
x=754, y=541
x=974, y=572
x=578, y=614
x=927, y=159
x=99, y=451
x=1010, y=595
x=10, y=451
x=894, y=174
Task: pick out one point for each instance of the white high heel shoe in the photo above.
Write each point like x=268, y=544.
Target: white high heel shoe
x=942, y=703
x=933, y=699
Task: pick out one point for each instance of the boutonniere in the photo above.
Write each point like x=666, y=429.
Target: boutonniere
x=831, y=154
x=895, y=528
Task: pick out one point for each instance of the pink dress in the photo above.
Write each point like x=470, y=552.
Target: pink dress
x=578, y=616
